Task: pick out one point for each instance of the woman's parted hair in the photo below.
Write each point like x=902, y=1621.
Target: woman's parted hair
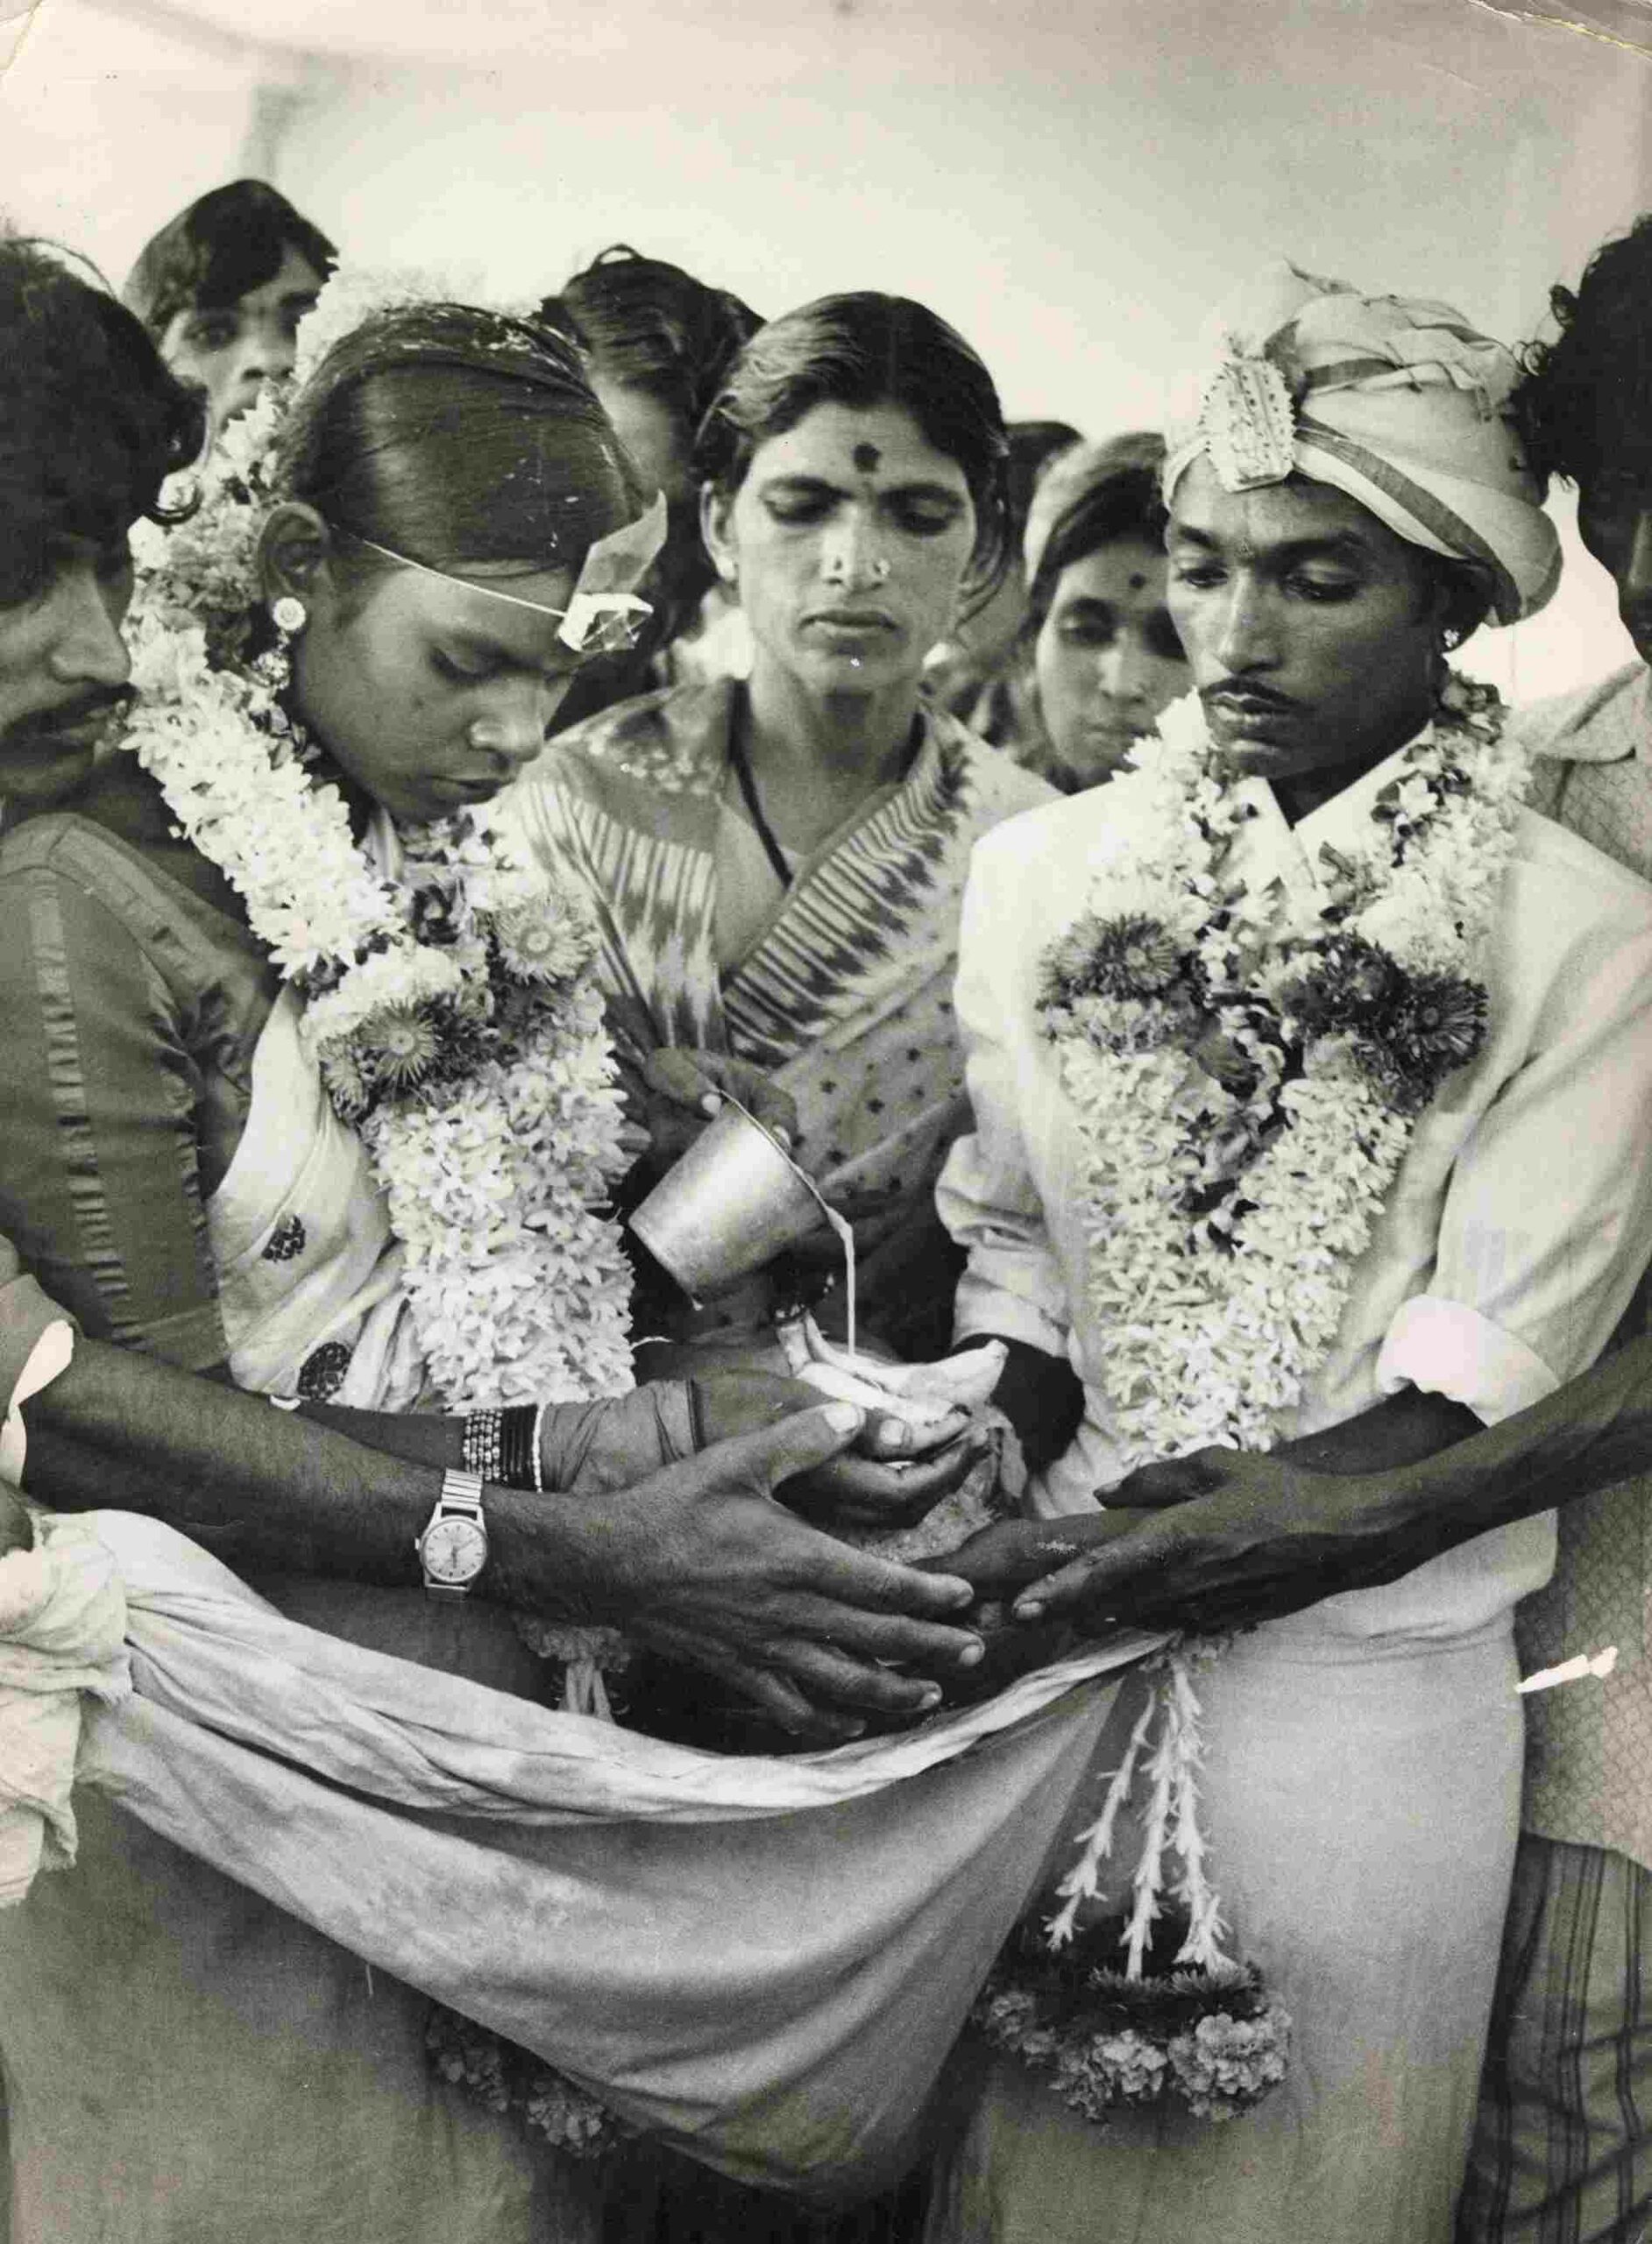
x=862, y=350
x=226, y=244
x=1585, y=401
x=91, y=422
x=458, y=437
x=649, y=326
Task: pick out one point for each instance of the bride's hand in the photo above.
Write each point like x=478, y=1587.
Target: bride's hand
x=891, y=1476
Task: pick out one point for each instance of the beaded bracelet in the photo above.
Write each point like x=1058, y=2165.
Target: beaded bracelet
x=503, y=1446
x=481, y=1448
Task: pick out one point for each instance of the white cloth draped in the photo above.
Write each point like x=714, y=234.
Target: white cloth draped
x=61, y=1626
x=763, y=1960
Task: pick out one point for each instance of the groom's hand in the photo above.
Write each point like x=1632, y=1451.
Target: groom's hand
x=893, y=1475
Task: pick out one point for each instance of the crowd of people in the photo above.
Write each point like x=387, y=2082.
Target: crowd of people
x=449, y=756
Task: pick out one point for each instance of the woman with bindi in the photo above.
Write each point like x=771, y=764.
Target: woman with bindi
x=1099, y=642
x=222, y=289
x=777, y=863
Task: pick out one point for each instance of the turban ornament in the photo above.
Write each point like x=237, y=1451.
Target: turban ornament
x=1394, y=400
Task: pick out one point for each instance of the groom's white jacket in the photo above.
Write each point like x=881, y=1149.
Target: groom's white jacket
x=1514, y=1233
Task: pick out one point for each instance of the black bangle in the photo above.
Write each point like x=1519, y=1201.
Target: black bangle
x=516, y=1445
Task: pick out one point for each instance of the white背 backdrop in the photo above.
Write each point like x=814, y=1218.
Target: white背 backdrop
x=1073, y=184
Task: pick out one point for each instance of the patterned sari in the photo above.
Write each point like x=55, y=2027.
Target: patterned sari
x=844, y=993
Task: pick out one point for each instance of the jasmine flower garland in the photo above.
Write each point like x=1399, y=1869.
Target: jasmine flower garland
x=1246, y=1074
x=450, y=1008
x=1182, y=2019
x=445, y=980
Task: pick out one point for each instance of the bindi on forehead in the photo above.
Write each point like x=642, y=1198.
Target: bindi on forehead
x=1138, y=584
x=868, y=459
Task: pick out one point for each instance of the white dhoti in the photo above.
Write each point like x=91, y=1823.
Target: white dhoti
x=1361, y=1798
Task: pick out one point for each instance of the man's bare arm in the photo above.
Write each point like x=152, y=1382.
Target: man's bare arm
x=1236, y=1537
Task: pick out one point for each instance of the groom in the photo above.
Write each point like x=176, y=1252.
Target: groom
x=1335, y=531
x=1347, y=503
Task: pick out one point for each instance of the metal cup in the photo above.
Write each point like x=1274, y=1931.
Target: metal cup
x=731, y=1204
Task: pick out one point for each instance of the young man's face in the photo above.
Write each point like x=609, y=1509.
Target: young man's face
x=232, y=350
x=1309, y=625
x=63, y=670
x=1615, y=520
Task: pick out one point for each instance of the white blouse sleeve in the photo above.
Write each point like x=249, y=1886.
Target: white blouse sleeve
x=987, y=1195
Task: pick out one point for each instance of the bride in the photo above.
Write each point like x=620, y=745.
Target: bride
x=309, y=1098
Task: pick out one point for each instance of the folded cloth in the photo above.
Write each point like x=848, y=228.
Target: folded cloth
x=763, y=1960
x=62, y=1623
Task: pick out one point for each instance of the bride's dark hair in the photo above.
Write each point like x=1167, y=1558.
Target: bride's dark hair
x=863, y=351
x=460, y=438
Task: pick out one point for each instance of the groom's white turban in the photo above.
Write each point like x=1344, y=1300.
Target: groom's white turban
x=1396, y=402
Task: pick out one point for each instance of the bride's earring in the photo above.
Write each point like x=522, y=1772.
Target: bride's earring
x=275, y=668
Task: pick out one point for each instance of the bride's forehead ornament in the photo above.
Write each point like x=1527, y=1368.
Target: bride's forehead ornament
x=604, y=613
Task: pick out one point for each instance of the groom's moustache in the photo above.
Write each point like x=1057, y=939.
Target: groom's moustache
x=46, y=725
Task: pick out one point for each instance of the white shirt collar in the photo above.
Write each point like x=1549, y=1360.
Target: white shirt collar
x=1269, y=848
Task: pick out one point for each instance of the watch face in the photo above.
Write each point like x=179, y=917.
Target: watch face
x=454, y=1550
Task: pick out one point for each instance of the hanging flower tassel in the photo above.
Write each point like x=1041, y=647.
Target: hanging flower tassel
x=1186, y=2023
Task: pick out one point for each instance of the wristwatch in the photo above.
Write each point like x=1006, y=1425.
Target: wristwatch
x=453, y=1548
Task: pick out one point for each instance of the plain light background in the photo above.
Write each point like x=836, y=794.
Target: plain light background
x=1072, y=185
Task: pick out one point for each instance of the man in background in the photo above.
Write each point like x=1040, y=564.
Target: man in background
x=1564, y=2149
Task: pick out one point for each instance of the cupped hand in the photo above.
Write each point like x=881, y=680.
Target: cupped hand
x=891, y=1476
x=699, y=1562
x=683, y=1090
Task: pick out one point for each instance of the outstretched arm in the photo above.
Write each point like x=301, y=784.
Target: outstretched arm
x=1238, y=1538
x=697, y=1559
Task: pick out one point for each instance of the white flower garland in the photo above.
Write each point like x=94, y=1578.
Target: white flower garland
x=449, y=999
x=1246, y=1075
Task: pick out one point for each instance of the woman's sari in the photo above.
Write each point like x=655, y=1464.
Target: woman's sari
x=844, y=990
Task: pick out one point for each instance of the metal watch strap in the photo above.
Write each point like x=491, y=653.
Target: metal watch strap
x=460, y=1498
